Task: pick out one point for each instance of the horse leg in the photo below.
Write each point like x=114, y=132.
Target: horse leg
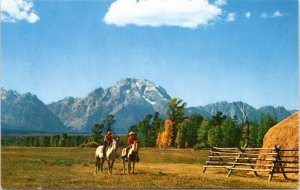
x=108, y=162
x=101, y=165
x=133, y=167
x=123, y=166
x=129, y=167
x=112, y=165
x=96, y=164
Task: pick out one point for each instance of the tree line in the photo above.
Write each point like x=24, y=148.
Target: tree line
x=194, y=131
x=175, y=131
x=62, y=140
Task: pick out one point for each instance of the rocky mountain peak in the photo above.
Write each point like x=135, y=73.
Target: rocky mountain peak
x=137, y=89
x=27, y=113
x=6, y=94
x=97, y=93
x=129, y=100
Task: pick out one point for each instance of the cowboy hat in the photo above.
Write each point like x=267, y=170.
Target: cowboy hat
x=131, y=133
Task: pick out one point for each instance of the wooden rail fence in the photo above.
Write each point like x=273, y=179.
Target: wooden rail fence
x=271, y=160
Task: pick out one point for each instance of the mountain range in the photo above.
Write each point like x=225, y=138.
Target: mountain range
x=27, y=113
x=241, y=110
x=130, y=100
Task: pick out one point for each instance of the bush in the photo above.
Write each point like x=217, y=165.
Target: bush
x=199, y=146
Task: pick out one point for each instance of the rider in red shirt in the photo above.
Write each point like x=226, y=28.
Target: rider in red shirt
x=131, y=140
x=107, y=141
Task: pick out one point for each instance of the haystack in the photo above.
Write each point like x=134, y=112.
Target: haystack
x=285, y=134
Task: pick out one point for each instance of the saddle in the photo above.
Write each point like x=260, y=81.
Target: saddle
x=102, y=150
x=126, y=151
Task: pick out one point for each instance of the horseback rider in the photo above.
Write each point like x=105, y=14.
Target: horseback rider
x=131, y=140
x=107, y=141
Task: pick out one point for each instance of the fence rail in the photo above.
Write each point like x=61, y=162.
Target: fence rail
x=236, y=158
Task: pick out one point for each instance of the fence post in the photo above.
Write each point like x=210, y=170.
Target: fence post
x=236, y=160
x=274, y=164
x=279, y=159
x=210, y=153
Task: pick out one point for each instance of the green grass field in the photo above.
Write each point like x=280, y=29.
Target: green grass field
x=24, y=167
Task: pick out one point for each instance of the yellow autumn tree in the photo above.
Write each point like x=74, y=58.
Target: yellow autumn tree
x=158, y=140
x=178, y=138
x=167, y=135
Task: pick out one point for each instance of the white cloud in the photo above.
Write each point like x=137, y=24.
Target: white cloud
x=230, y=17
x=13, y=10
x=264, y=15
x=220, y=2
x=277, y=14
x=248, y=14
x=181, y=13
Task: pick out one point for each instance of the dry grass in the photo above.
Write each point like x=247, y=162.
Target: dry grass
x=74, y=167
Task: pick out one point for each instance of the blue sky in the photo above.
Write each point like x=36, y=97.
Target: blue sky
x=200, y=51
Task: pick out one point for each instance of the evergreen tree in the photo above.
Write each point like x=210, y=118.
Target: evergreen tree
x=108, y=122
x=181, y=138
x=36, y=141
x=215, y=136
x=266, y=122
x=63, y=140
x=148, y=129
x=56, y=140
x=51, y=141
x=231, y=134
x=157, y=126
x=175, y=112
x=202, y=132
x=43, y=141
x=97, y=130
x=253, y=134
x=193, y=124
x=215, y=133
x=133, y=128
x=217, y=119
x=144, y=128
x=187, y=131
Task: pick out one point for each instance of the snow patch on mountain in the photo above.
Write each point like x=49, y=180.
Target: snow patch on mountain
x=151, y=102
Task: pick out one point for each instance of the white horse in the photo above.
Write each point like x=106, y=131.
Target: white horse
x=131, y=157
x=110, y=157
